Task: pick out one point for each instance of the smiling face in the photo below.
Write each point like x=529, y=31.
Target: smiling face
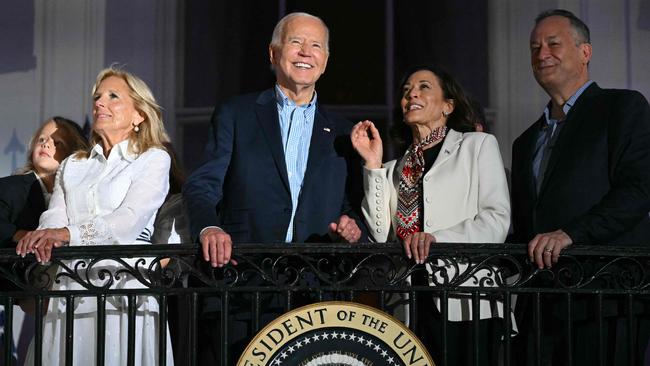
x=558, y=59
x=423, y=101
x=114, y=113
x=50, y=148
x=301, y=58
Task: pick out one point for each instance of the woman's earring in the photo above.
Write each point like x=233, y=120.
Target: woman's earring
x=445, y=114
x=136, y=128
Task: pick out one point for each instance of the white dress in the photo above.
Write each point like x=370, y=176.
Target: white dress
x=103, y=201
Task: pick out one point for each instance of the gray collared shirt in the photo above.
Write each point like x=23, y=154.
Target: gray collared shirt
x=548, y=132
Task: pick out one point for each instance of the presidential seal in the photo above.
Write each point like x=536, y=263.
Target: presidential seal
x=335, y=333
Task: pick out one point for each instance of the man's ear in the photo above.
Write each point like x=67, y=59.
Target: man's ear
x=271, y=55
x=585, y=52
x=327, y=57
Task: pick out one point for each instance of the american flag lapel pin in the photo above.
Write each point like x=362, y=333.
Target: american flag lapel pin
x=326, y=129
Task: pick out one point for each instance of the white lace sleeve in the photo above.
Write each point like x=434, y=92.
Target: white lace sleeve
x=146, y=193
x=93, y=232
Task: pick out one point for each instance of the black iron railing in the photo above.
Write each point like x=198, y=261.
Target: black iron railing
x=377, y=274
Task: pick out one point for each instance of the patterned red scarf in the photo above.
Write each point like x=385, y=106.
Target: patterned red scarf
x=410, y=189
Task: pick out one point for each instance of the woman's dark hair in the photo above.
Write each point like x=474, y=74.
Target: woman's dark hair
x=479, y=114
x=461, y=118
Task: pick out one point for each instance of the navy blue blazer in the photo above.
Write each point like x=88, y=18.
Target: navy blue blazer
x=21, y=205
x=597, y=184
x=242, y=185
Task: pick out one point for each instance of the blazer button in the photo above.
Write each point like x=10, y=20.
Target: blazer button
x=427, y=200
x=377, y=180
x=378, y=216
x=378, y=186
x=378, y=230
x=426, y=179
x=378, y=194
x=378, y=223
x=378, y=209
x=378, y=202
x=428, y=223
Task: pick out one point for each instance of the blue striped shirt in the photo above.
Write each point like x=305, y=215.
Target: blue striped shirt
x=567, y=105
x=296, y=125
x=544, y=134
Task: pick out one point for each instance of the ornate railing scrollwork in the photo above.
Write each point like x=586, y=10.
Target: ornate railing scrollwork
x=332, y=266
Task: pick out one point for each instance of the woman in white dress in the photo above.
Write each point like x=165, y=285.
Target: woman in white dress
x=106, y=196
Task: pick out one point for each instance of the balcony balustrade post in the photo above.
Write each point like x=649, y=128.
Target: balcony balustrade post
x=631, y=329
x=507, y=303
x=192, y=328
x=256, y=311
x=38, y=333
x=101, y=329
x=476, y=318
x=444, y=311
x=599, y=322
x=132, y=307
x=225, y=305
x=537, y=319
x=569, y=328
x=162, y=330
x=69, y=329
x=8, y=331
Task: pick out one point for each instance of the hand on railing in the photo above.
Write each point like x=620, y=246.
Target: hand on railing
x=345, y=228
x=544, y=249
x=417, y=246
x=40, y=242
x=216, y=245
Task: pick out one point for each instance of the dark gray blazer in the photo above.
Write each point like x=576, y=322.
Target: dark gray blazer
x=21, y=205
x=597, y=184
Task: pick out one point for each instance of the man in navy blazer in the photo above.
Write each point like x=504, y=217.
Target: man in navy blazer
x=278, y=167
x=580, y=174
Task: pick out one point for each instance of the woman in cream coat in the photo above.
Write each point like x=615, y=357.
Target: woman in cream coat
x=450, y=186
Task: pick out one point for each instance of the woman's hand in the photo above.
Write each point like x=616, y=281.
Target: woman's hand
x=366, y=140
x=19, y=235
x=417, y=246
x=41, y=242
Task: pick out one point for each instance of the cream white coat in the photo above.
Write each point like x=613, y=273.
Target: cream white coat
x=465, y=199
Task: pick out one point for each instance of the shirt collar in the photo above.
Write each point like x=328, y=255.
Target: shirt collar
x=46, y=194
x=283, y=100
x=567, y=105
x=122, y=149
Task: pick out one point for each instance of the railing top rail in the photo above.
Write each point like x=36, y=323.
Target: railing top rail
x=337, y=265
x=127, y=251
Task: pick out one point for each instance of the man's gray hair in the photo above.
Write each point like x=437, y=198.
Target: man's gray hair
x=279, y=30
x=579, y=27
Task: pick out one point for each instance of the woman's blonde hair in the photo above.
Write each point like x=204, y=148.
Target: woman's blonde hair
x=152, y=131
